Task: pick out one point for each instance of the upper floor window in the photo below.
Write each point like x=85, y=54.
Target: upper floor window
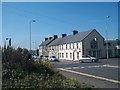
x=77, y=45
x=70, y=45
x=73, y=45
x=66, y=46
x=94, y=43
x=109, y=44
x=62, y=47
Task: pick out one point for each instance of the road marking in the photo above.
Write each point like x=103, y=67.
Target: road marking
x=69, y=68
x=82, y=67
x=111, y=66
x=89, y=75
x=95, y=66
x=75, y=67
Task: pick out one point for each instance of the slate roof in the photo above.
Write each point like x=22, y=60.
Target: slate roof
x=71, y=38
x=46, y=42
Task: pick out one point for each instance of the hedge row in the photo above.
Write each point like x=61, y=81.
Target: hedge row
x=23, y=72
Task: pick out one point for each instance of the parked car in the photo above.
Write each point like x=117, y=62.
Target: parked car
x=88, y=59
x=41, y=56
x=34, y=56
x=52, y=58
x=45, y=57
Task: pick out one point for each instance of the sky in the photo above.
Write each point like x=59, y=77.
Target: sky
x=56, y=18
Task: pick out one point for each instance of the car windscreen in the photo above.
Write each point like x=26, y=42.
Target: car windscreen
x=53, y=57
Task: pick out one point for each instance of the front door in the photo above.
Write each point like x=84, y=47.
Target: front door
x=73, y=56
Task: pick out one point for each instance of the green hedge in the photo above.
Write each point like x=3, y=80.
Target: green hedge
x=26, y=73
x=41, y=77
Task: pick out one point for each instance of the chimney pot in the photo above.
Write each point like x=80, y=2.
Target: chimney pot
x=63, y=35
x=46, y=39
x=50, y=38
x=75, y=32
x=55, y=36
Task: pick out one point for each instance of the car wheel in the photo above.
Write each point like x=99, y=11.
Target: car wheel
x=80, y=61
x=93, y=60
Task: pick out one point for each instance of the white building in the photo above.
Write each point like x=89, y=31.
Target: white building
x=72, y=47
x=43, y=47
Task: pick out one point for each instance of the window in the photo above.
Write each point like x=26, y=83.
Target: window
x=77, y=55
x=70, y=45
x=104, y=44
x=71, y=55
x=77, y=45
x=66, y=55
x=73, y=45
x=62, y=47
x=62, y=55
x=90, y=53
x=94, y=43
x=109, y=44
x=66, y=46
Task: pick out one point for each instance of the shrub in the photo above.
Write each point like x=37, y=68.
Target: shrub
x=19, y=71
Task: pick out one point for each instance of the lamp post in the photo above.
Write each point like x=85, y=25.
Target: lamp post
x=107, y=18
x=30, y=31
x=35, y=47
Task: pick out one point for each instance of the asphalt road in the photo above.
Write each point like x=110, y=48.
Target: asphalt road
x=102, y=74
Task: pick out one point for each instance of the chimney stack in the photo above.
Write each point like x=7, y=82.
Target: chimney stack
x=63, y=35
x=46, y=39
x=55, y=36
x=50, y=38
x=75, y=32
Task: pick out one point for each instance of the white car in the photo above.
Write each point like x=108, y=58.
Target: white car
x=52, y=58
x=88, y=59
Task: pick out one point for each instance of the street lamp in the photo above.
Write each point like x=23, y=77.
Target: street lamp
x=9, y=40
x=30, y=32
x=107, y=18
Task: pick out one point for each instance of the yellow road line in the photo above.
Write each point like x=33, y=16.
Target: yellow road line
x=93, y=76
